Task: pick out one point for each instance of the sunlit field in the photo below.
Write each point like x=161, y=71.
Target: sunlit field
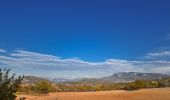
x=143, y=94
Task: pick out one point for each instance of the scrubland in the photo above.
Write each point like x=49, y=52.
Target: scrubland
x=142, y=94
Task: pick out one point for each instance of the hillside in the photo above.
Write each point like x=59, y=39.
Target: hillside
x=33, y=79
x=122, y=77
x=132, y=76
x=138, y=81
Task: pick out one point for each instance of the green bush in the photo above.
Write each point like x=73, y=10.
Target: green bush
x=43, y=87
x=138, y=84
x=9, y=85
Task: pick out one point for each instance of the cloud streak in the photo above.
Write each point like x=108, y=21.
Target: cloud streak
x=158, y=55
x=2, y=50
x=50, y=66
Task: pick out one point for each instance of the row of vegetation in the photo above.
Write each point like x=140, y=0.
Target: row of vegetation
x=138, y=84
x=44, y=87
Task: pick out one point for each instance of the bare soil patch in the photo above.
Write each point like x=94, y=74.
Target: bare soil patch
x=143, y=94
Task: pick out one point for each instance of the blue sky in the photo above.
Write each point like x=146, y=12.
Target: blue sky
x=89, y=31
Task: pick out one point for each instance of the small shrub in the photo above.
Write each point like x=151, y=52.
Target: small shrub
x=43, y=87
x=9, y=85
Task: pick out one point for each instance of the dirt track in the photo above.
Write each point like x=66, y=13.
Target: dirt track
x=144, y=94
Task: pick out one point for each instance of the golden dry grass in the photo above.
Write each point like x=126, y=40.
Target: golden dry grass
x=144, y=94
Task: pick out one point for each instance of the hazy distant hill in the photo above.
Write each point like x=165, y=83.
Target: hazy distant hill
x=59, y=80
x=123, y=77
x=132, y=76
x=33, y=79
x=119, y=77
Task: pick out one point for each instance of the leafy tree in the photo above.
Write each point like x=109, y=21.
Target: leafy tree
x=43, y=87
x=9, y=85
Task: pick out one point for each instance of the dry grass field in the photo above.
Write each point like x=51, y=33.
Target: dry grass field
x=143, y=94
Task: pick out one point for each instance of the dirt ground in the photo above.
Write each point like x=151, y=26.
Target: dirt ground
x=143, y=94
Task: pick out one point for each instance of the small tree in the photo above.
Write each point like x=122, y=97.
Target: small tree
x=9, y=85
x=43, y=87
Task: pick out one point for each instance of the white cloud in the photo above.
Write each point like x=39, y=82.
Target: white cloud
x=161, y=54
x=2, y=50
x=32, y=63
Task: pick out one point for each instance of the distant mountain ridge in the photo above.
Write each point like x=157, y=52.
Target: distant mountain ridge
x=58, y=80
x=115, y=78
x=132, y=76
x=33, y=79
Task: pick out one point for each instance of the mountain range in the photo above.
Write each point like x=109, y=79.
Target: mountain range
x=115, y=78
x=132, y=76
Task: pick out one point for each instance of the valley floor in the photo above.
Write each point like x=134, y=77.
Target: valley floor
x=143, y=94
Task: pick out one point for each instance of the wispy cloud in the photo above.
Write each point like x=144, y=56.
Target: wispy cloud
x=155, y=55
x=44, y=65
x=2, y=50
